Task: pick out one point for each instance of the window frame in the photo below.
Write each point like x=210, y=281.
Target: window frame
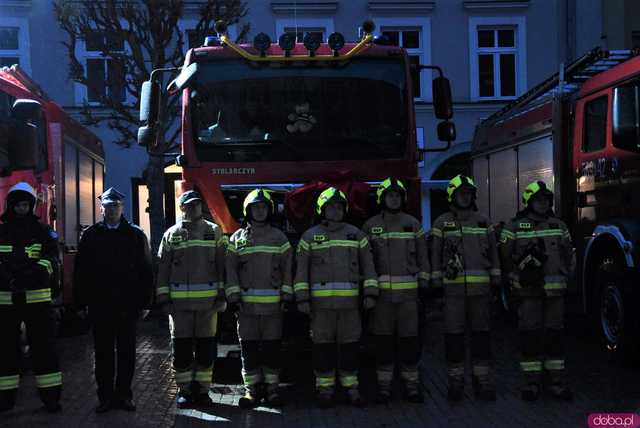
x=23, y=53
x=82, y=91
x=475, y=24
x=411, y=23
x=304, y=22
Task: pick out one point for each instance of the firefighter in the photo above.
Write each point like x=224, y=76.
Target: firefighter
x=465, y=259
x=258, y=281
x=537, y=254
x=401, y=260
x=332, y=259
x=190, y=289
x=28, y=268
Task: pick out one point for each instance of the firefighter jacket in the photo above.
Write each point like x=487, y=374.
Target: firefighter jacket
x=332, y=260
x=113, y=268
x=400, y=255
x=28, y=261
x=191, y=269
x=464, y=254
x=548, y=242
x=259, y=269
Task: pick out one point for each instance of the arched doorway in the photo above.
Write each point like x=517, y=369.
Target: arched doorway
x=457, y=164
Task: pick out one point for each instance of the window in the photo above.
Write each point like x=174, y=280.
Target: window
x=14, y=43
x=625, y=117
x=497, y=58
x=105, y=76
x=409, y=39
x=191, y=39
x=595, y=124
x=414, y=35
x=319, y=27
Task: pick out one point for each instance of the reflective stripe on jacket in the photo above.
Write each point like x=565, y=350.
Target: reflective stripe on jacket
x=259, y=269
x=191, y=266
x=400, y=255
x=469, y=244
x=332, y=263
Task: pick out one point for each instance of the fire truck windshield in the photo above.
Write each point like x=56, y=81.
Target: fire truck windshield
x=303, y=111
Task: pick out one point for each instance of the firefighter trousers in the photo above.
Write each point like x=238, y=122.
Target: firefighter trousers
x=541, y=325
x=260, y=339
x=41, y=339
x=460, y=312
x=113, y=329
x=335, y=334
x=194, y=349
x=395, y=330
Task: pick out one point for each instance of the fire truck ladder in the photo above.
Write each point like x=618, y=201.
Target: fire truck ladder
x=567, y=81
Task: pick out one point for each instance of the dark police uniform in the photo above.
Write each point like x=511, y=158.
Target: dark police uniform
x=114, y=278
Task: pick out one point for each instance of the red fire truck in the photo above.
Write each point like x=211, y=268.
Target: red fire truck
x=60, y=158
x=281, y=116
x=579, y=132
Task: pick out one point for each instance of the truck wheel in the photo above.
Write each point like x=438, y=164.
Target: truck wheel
x=617, y=323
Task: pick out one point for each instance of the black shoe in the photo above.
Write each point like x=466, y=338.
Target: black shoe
x=455, y=395
x=248, y=401
x=104, y=406
x=185, y=402
x=203, y=399
x=53, y=407
x=126, y=404
x=531, y=392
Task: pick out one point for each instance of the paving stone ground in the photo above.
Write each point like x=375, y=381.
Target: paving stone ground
x=599, y=386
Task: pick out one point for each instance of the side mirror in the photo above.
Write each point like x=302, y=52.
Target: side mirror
x=442, y=100
x=446, y=131
x=149, y=112
x=185, y=79
x=23, y=150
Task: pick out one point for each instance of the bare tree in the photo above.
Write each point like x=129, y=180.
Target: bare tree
x=136, y=37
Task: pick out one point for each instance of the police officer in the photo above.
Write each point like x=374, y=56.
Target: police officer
x=402, y=264
x=537, y=253
x=465, y=259
x=258, y=272
x=114, y=278
x=332, y=259
x=28, y=268
x=190, y=289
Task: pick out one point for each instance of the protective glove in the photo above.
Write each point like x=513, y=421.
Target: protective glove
x=369, y=303
x=304, y=307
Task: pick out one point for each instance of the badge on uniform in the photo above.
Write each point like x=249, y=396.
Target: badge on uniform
x=240, y=243
x=377, y=230
x=525, y=225
x=175, y=239
x=450, y=224
x=319, y=238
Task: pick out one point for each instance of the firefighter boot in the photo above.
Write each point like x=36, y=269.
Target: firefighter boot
x=385, y=379
x=456, y=383
x=531, y=391
x=325, y=399
x=482, y=385
x=273, y=397
x=557, y=386
x=355, y=398
x=251, y=397
x=185, y=400
x=414, y=394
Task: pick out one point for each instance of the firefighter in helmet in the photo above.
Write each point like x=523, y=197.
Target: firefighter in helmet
x=258, y=284
x=402, y=264
x=190, y=289
x=28, y=268
x=465, y=259
x=537, y=254
x=332, y=259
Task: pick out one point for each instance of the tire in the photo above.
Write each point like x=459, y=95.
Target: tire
x=614, y=309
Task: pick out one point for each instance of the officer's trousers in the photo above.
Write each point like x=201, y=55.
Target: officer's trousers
x=541, y=325
x=335, y=334
x=260, y=339
x=41, y=338
x=194, y=349
x=114, y=330
x=457, y=310
x=395, y=330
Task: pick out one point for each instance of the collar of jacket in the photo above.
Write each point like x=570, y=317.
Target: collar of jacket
x=332, y=226
x=461, y=214
x=123, y=223
x=391, y=215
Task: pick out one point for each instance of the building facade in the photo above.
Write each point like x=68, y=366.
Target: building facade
x=491, y=50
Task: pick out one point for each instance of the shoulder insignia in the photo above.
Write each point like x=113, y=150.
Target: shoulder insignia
x=377, y=230
x=524, y=225
x=319, y=238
